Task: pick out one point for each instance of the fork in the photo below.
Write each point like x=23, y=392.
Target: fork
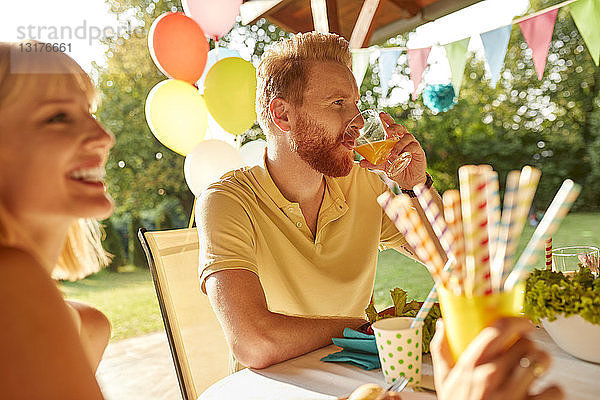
x=398, y=385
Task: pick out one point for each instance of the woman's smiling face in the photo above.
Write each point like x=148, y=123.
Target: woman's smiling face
x=52, y=154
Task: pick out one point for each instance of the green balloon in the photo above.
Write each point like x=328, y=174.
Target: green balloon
x=230, y=92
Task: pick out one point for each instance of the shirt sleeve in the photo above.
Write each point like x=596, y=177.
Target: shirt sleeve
x=226, y=234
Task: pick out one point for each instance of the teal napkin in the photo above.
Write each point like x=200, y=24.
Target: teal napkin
x=358, y=349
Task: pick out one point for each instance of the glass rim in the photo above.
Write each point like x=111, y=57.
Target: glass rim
x=376, y=114
x=372, y=111
x=367, y=110
x=558, y=251
x=383, y=324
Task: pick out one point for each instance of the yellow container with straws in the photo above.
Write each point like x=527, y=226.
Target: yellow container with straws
x=480, y=241
x=466, y=316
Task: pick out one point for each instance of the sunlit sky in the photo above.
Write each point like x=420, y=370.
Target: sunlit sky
x=83, y=20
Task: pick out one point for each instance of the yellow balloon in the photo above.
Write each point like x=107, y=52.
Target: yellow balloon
x=176, y=115
x=230, y=91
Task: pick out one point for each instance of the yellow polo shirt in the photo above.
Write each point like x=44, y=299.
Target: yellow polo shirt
x=246, y=223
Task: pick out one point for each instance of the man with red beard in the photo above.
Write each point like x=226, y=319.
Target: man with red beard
x=289, y=250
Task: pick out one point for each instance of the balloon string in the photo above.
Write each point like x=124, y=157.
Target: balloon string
x=191, y=224
x=216, y=39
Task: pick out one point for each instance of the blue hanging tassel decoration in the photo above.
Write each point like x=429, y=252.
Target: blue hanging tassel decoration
x=439, y=98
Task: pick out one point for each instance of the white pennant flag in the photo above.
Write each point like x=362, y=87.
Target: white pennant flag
x=360, y=62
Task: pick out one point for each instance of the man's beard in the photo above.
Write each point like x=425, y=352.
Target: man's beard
x=310, y=141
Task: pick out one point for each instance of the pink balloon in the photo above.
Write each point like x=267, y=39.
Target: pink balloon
x=215, y=17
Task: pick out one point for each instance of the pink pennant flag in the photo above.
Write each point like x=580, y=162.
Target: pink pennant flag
x=417, y=61
x=537, y=32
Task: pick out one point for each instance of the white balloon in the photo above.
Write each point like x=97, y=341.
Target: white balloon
x=207, y=162
x=253, y=152
x=215, y=131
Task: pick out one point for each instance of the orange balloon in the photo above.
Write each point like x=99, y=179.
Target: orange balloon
x=178, y=46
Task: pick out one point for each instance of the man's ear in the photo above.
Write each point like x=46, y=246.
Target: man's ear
x=279, y=112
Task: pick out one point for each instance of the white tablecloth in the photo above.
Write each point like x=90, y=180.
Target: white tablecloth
x=303, y=377
x=306, y=377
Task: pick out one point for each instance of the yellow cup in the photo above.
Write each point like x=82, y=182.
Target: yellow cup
x=464, y=317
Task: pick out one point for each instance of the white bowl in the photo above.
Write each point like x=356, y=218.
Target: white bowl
x=576, y=336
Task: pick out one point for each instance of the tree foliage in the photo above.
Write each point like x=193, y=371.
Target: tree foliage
x=553, y=124
x=144, y=177
x=141, y=172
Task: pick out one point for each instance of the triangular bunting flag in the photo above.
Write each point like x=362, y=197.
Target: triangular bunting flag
x=495, y=44
x=387, y=63
x=360, y=62
x=417, y=61
x=457, y=58
x=537, y=32
x=586, y=14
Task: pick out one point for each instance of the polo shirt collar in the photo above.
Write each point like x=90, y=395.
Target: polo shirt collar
x=265, y=180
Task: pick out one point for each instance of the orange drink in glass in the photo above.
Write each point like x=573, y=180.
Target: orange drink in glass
x=372, y=142
x=377, y=152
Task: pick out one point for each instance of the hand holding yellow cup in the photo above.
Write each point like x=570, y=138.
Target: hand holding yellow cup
x=464, y=317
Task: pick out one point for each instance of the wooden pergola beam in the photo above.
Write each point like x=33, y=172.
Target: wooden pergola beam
x=250, y=11
x=391, y=16
x=426, y=14
x=371, y=30
x=363, y=23
x=319, y=15
x=333, y=17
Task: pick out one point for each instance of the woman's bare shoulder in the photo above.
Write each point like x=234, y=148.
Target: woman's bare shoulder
x=21, y=275
x=42, y=354
x=18, y=267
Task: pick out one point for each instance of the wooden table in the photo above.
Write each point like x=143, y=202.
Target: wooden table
x=306, y=377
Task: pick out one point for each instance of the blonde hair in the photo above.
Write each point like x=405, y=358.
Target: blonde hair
x=283, y=70
x=82, y=253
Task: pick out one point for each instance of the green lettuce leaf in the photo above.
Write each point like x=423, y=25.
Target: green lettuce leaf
x=550, y=294
x=399, y=299
x=403, y=309
x=371, y=312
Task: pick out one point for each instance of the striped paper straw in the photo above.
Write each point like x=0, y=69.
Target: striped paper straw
x=436, y=219
x=408, y=222
x=559, y=207
x=453, y=217
x=432, y=297
x=474, y=206
x=510, y=198
x=528, y=182
x=419, y=224
x=548, y=253
x=493, y=210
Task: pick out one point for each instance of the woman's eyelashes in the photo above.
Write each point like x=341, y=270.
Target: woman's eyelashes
x=58, y=118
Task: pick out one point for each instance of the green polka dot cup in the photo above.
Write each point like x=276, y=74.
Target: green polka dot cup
x=399, y=349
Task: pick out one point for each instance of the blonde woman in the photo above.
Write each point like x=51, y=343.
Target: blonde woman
x=52, y=158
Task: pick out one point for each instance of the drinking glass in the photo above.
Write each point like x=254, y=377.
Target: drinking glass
x=567, y=259
x=371, y=142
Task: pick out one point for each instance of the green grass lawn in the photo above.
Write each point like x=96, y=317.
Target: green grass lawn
x=396, y=270
x=129, y=300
